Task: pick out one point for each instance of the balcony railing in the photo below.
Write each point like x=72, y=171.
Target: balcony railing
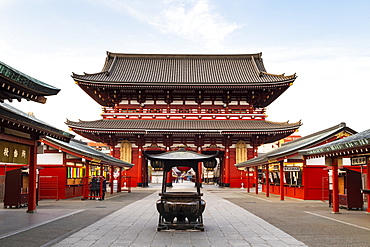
x=125, y=111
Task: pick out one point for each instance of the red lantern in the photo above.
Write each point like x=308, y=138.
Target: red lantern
x=183, y=168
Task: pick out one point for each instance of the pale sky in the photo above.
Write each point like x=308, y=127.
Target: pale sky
x=327, y=43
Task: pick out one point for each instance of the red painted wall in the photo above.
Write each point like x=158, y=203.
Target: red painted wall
x=134, y=170
x=235, y=181
x=54, y=174
x=315, y=176
x=4, y=168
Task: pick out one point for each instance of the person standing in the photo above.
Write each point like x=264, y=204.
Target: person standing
x=104, y=188
x=94, y=188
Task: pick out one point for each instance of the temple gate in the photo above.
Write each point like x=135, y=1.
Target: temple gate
x=207, y=103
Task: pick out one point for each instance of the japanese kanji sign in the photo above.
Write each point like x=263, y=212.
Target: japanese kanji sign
x=14, y=153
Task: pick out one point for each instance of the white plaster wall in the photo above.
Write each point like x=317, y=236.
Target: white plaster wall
x=321, y=161
x=50, y=159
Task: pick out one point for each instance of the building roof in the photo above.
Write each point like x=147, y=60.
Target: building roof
x=355, y=142
x=17, y=85
x=77, y=147
x=14, y=118
x=219, y=126
x=181, y=69
x=133, y=76
x=294, y=146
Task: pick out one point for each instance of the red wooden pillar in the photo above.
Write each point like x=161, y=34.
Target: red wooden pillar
x=304, y=178
x=267, y=181
x=256, y=178
x=169, y=179
x=200, y=168
x=140, y=142
x=145, y=174
x=335, y=186
x=248, y=183
x=282, y=192
x=227, y=167
x=101, y=170
x=139, y=164
x=32, y=179
x=86, y=181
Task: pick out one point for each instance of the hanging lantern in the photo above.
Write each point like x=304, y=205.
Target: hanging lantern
x=157, y=165
x=183, y=168
x=210, y=164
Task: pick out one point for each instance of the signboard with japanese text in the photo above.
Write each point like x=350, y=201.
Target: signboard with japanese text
x=14, y=153
x=359, y=161
x=292, y=169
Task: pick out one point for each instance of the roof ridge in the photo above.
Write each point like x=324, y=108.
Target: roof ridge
x=358, y=140
x=27, y=76
x=256, y=67
x=179, y=55
x=338, y=126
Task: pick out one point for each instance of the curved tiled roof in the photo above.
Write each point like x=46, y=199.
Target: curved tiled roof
x=17, y=117
x=26, y=81
x=183, y=125
x=296, y=145
x=357, y=141
x=82, y=148
x=151, y=69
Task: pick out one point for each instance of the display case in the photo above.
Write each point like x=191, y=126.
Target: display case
x=349, y=186
x=16, y=188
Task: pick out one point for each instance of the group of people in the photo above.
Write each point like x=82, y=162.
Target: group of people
x=98, y=184
x=177, y=178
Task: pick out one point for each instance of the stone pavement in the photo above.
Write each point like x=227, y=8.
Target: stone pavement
x=226, y=224
x=232, y=217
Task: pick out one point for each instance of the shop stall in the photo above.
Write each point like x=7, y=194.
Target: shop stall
x=349, y=185
x=283, y=171
x=70, y=166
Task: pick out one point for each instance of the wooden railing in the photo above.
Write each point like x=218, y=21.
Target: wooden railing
x=180, y=111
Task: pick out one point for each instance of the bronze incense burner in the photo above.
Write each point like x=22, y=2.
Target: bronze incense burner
x=180, y=210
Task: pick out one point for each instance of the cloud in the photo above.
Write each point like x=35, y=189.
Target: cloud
x=192, y=20
x=195, y=21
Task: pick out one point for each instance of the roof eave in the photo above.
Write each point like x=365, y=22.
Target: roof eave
x=78, y=80
x=85, y=155
x=43, y=128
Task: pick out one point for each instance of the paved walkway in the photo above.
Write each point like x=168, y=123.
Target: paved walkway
x=226, y=224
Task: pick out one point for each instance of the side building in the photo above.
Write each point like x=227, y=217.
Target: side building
x=68, y=168
x=19, y=136
x=349, y=188
x=285, y=172
x=207, y=103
